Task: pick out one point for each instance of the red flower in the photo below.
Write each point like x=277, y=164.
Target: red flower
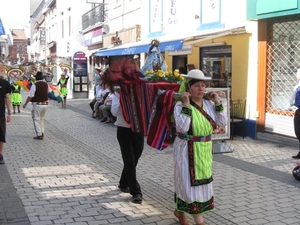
x=195, y=208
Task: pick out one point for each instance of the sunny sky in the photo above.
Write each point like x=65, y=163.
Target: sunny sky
x=15, y=14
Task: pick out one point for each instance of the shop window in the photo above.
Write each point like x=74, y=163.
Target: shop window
x=283, y=54
x=215, y=62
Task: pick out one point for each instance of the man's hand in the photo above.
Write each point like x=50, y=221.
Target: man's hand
x=8, y=118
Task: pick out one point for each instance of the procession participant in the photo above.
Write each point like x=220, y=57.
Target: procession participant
x=131, y=145
x=195, y=119
x=131, y=140
x=63, y=82
x=38, y=95
x=15, y=97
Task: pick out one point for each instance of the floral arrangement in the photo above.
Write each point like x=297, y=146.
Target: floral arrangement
x=166, y=76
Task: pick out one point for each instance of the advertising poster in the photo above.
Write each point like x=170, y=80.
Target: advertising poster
x=222, y=133
x=80, y=64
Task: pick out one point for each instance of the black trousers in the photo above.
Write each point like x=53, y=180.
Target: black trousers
x=297, y=124
x=92, y=103
x=132, y=145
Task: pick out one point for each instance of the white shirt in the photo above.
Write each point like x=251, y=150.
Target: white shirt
x=109, y=96
x=116, y=110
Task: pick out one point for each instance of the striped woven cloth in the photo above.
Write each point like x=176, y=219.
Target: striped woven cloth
x=159, y=124
x=147, y=108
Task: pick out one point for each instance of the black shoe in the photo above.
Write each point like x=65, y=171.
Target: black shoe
x=38, y=137
x=1, y=159
x=125, y=190
x=137, y=199
x=296, y=156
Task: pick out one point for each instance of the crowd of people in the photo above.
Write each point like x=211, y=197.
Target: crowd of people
x=195, y=119
x=38, y=95
x=102, y=101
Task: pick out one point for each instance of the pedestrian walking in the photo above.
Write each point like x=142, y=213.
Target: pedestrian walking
x=131, y=145
x=295, y=101
x=38, y=96
x=97, y=78
x=195, y=119
x=49, y=77
x=4, y=104
x=16, y=97
x=62, y=83
x=131, y=140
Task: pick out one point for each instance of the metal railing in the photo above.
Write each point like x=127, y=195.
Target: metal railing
x=96, y=16
x=283, y=53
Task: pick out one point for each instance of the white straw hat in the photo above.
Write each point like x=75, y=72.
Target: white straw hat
x=196, y=75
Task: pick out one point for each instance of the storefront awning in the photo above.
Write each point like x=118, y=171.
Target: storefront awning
x=212, y=34
x=139, y=47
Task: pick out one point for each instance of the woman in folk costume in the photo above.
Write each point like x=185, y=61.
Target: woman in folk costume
x=15, y=97
x=195, y=117
x=62, y=82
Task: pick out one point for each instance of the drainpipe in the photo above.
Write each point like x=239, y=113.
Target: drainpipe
x=123, y=11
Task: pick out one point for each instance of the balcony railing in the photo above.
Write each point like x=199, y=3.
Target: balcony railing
x=94, y=17
x=49, y=3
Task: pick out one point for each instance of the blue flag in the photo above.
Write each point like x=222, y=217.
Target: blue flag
x=2, y=31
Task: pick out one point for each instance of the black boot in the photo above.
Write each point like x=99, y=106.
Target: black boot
x=296, y=156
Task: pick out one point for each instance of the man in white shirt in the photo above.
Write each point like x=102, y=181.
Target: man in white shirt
x=101, y=92
x=38, y=95
x=131, y=145
x=104, y=109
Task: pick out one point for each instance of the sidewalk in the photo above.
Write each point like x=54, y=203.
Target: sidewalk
x=71, y=177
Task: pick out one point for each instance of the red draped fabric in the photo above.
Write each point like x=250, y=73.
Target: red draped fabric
x=159, y=131
x=147, y=108
x=132, y=103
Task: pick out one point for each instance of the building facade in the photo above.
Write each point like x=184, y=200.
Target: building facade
x=215, y=40
x=18, y=51
x=278, y=62
x=57, y=37
x=209, y=37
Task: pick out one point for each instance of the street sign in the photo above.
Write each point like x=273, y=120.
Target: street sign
x=42, y=36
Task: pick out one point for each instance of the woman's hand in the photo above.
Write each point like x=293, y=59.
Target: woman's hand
x=185, y=98
x=213, y=96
